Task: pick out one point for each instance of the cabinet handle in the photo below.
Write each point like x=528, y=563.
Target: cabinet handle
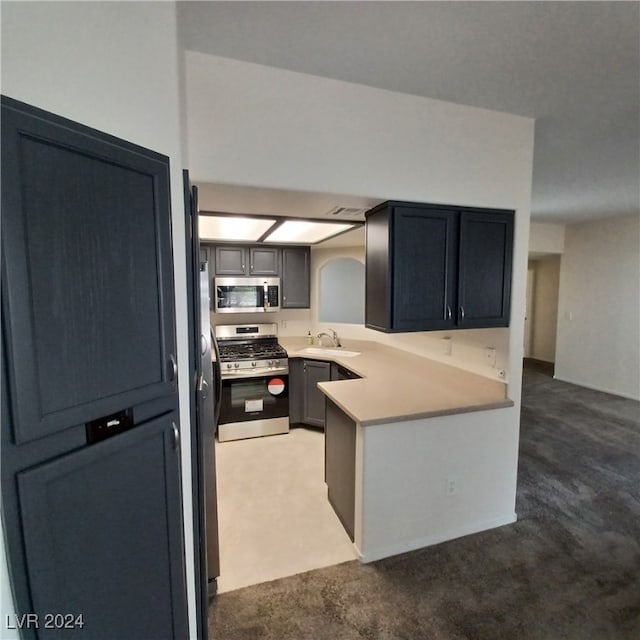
x=173, y=367
x=176, y=436
x=461, y=312
x=448, y=312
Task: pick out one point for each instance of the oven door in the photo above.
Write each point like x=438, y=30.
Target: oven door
x=254, y=406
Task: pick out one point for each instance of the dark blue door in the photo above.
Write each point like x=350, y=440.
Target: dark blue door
x=90, y=465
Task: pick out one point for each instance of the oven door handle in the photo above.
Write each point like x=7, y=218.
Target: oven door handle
x=250, y=373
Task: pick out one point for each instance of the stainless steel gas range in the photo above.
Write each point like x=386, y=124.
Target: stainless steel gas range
x=254, y=371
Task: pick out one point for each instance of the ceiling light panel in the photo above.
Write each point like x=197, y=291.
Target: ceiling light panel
x=305, y=232
x=233, y=227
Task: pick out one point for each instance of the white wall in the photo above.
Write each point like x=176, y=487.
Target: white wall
x=259, y=126
x=467, y=348
x=546, y=238
x=404, y=505
x=112, y=66
x=598, y=342
x=545, y=307
x=264, y=127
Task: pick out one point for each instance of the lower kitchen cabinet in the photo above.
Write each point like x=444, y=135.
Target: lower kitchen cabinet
x=314, y=371
x=338, y=372
x=306, y=401
x=339, y=464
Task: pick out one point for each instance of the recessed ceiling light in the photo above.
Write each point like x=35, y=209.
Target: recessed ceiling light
x=306, y=232
x=233, y=227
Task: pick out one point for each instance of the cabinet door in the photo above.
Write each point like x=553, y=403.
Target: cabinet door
x=314, y=400
x=424, y=268
x=484, y=284
x=88, y=334
x=103, y=537
x=296, y=390
x=378, y=270
x=87, y=272
x=231, y=261
x=295, y=278
x=264, y=261
x=340, y=465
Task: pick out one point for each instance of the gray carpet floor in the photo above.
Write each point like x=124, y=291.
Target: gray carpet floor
x=568, y=569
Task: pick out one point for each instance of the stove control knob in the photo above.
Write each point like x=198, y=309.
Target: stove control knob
x=253, y=364
x=271, y=363
x=229, y=365
x=277, y=363
x=236, y=365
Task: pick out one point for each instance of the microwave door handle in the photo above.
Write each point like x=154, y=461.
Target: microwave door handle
x=265, y=295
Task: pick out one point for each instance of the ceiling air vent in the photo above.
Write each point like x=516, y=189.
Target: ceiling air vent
x=345, y=212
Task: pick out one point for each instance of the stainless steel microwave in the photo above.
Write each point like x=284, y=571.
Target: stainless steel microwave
x=247, y=295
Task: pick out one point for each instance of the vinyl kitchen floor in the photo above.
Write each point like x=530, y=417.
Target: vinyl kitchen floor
x=274, y=516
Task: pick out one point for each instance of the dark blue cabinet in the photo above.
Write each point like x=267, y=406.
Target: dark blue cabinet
x=91, y=492
x=435, y=267
x=99, y=537
x=484, y=269
x=89, y=283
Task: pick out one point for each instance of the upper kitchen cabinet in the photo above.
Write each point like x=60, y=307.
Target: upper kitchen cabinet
x=295, y=278
x=247, y=261
x=484, y=268
x=291, y=263
x=230, y=261
x=437, y=267
x=264, y=261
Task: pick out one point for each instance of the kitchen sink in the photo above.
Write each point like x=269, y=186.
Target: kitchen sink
x=328, y=351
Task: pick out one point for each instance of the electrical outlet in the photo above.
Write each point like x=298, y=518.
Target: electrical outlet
x=491, y=356
x=446, y=345
x=283, y=323
x=452, y=487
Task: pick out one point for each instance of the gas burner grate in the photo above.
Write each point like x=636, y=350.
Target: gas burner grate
x=251, y=351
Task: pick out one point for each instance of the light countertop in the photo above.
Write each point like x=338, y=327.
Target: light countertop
x=397, y=385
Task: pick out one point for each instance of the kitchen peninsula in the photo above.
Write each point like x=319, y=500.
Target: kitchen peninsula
x=417, y=451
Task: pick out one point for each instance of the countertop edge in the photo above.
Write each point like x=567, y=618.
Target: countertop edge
x=451, y=411
x=479, y=398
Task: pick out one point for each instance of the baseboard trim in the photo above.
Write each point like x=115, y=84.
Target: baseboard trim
x=612, y=392
x=427, y=541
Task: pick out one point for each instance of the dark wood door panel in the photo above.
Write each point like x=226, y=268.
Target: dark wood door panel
x=424, y=269
x=486, y=242
x=84, y=288
x=314, y=400
x=340, y=465
x=231, y=261
x=264, y=261
x=295, y=278
x=102, y=531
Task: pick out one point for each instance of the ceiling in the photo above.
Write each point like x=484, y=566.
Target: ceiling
x=573, y=66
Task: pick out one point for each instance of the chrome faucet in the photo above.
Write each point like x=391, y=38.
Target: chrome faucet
x=333, y=337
